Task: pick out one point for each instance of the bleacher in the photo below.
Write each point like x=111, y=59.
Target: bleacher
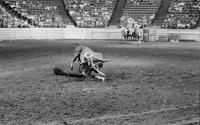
x=9, y=21
x=140, y=9
x=91, y=13
x=97, y=13
x=43, y=13
x=182, y=14
x=1, y=11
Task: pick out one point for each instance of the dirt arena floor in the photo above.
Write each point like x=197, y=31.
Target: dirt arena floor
x=147, y=84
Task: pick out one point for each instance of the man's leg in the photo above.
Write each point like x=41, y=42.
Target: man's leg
x=76, y=55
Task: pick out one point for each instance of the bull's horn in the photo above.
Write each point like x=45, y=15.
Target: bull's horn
x=106, y=60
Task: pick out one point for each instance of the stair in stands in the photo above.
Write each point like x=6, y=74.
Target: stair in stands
x=198, y=22
x=162, y=13
x=10, y=11
x=117, y=12
x=13, y=12
x=66, y=18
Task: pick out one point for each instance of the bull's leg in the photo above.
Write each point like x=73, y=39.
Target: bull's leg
x=96, y=70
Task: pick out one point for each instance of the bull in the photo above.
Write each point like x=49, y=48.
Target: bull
x=88, y=60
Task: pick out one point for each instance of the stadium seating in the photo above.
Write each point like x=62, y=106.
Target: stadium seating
x=198, y=23
x=43, y=13
x=143, y=11
x=90, y=13
x=9, y=21
x=97, y=13
x=182, y=14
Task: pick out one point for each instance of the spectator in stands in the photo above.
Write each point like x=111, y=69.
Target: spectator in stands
x=182, y=14
x=89, y=13
x=7, y=21
x=42, y=14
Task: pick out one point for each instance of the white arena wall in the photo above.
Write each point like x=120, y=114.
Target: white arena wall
x=149, y=35
x=58, y=33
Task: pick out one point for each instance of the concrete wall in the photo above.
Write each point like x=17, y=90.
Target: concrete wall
x=58, y=33
x=89, y=33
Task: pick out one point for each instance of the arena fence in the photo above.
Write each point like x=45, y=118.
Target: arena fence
x=168, y=34
x=149, y=35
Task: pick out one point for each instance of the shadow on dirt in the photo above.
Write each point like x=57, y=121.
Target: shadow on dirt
x=60, y=72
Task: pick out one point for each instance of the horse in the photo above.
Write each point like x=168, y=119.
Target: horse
x=133, y=33
x=126, y=33
x=137, y=36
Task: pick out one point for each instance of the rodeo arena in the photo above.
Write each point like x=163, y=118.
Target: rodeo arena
x=99, y=62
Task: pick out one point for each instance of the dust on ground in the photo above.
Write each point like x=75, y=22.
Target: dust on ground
x=148, y=77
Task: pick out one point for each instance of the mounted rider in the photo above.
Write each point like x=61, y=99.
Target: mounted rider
x=130, y=28
x=136, y=32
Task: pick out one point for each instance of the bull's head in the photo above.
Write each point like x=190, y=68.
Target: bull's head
x=99, y=57
x=99, y=63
